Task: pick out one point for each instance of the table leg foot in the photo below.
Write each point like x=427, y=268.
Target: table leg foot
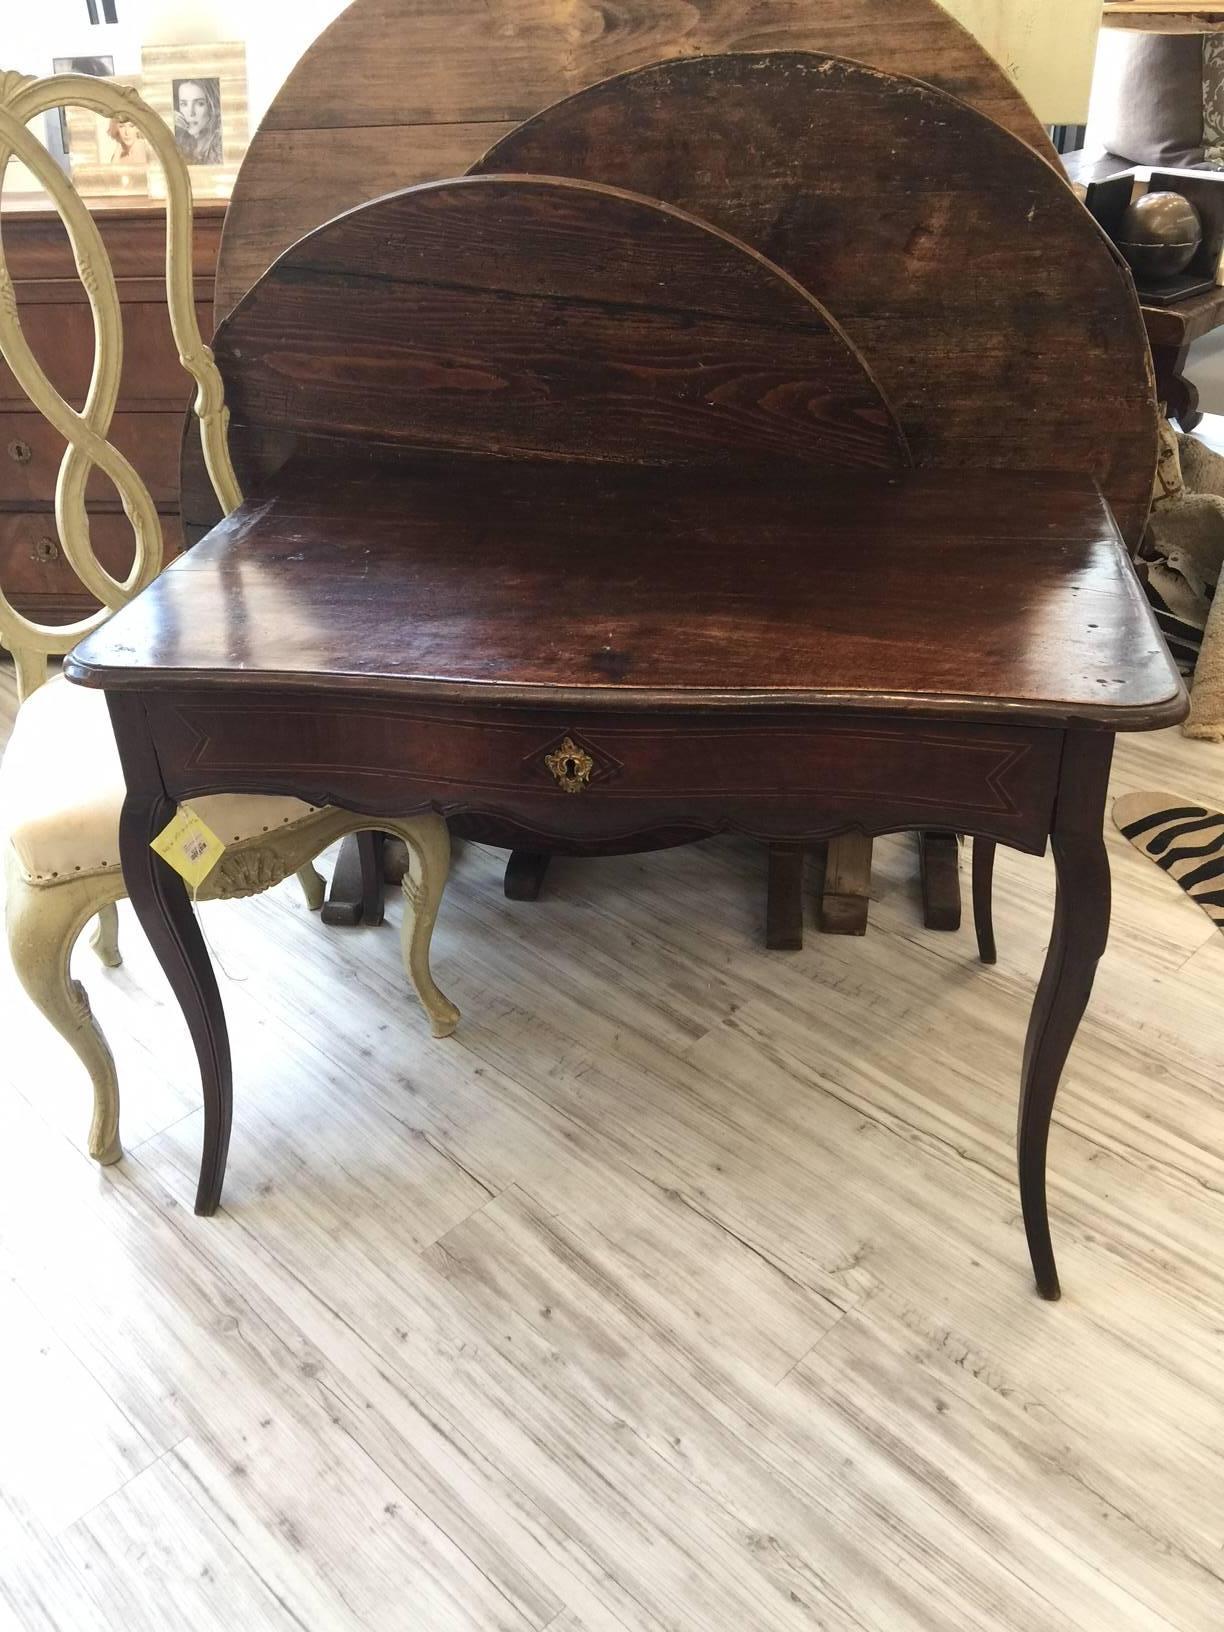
x=1183, y=403
x=784, y=900
x=1081, y=929
x=356, y=894
x=983, y=898
x=159, y=898
x=525, y=874
x=847, y=885
x=939, y=859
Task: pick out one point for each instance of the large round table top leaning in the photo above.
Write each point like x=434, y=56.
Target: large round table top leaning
x=993, y=311
x=536, y=318
x=400, y=91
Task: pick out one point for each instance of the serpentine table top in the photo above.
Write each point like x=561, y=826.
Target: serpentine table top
x=979, y=595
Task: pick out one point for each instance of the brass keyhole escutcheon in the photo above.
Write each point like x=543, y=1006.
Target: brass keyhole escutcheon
x=45, y=549
x=21, y=452
x=570, y=765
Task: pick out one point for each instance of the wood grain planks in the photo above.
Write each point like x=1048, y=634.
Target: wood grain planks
x=958, y=261
x=531, y=317
x=397, y=91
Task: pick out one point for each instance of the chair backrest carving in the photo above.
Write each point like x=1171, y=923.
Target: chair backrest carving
x=85, y=431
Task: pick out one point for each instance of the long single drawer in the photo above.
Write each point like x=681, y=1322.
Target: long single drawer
x=602, y=775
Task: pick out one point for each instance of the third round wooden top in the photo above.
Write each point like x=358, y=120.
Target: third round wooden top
x=997, y=319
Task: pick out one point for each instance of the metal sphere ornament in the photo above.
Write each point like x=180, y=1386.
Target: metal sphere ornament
x=1159, y=235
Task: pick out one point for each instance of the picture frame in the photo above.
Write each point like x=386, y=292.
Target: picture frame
x=109, y=156
x=201, y=93
x=96, y=67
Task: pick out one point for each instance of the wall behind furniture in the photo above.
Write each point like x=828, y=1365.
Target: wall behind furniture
x=1047, y=46
x=275, y=33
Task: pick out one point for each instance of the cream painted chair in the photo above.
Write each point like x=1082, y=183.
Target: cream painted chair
x=61, y=787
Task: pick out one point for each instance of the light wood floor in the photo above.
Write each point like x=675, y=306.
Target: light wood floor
x=683, y=1289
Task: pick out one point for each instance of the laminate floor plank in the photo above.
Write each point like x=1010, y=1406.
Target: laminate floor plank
x=530, y=1398
x=999, y=1458
x=842, y=1460
x=68, y=1446
x=398, y=1369
x=154, y=1557
x=40, y=1590
x=806, y=1538
x=618, y=1516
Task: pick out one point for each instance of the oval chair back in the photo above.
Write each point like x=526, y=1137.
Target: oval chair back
x=86, y=430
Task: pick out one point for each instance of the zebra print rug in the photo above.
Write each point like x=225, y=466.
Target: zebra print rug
x=1186, y=840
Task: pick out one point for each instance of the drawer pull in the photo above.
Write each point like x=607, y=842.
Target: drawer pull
x=570, y=765
x=20, y=452
x=45, y=548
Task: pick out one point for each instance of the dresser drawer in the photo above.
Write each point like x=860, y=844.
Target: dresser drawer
x=35, y=574
x=134, y=233
x=61, y=336
x=31, y=450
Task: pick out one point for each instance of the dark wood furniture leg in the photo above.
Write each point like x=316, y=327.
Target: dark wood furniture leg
x=1179, y=395
x=847, y=885
x=159, y=898
x=983, y=898
x=356, y=894
x=939, y=862
x=525, y=874
x=1081, y=929
x=784, y=899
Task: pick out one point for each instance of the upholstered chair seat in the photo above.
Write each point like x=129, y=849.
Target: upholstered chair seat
x=61, y=791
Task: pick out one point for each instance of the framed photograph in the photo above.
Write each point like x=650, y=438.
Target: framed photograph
x=95, y=67
x=200, y=91
x=109, y=156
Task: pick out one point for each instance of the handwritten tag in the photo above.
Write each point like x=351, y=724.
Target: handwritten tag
x=190, y=846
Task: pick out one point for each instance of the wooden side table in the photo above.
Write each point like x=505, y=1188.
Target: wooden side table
x=1164, y=16
x=572, y=516
x=471, y=687
x=1171, y=331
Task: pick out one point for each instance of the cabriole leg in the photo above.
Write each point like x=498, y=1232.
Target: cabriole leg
x=159, y=899
x=1081, y=930
x=43, y=923
x=429, y=862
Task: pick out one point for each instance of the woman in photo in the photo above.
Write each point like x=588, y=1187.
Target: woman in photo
x=127, y=145
x=197, y=120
